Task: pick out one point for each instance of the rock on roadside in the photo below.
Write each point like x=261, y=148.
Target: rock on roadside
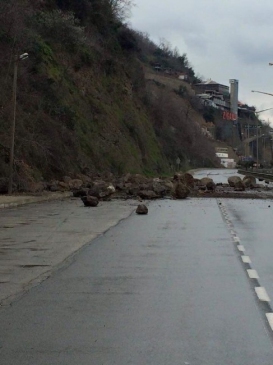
x=90, y=201
x=180, y=191
x=142, y=209
x=232, y=180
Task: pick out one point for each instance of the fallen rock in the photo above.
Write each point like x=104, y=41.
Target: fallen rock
x=249, y=181
x=147, y=194
x=53, y=186
x=136, y=179
x=102, y=190
x=90, y=201
x=188, y=179
x=239, y=186
x=180, y=191
x=205, y=181
x=75, y=184
x=211, y=186
x=233, y=179
x=185, y=178
x=142, y=209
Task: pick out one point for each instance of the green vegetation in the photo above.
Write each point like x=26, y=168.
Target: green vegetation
x=83, y=101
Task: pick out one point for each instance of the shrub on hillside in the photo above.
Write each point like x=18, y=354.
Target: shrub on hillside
x=127, y=39
x=61, y=27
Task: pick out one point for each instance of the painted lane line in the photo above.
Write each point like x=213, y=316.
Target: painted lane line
x=246, y=259
x=270, y=319
x=253, y=274
x=262, y=294
x=236, y=239
x=241, y=248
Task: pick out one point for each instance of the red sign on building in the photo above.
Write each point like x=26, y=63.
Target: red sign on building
x=229, y=115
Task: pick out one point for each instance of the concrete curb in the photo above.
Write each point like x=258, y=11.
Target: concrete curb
x=15, y=201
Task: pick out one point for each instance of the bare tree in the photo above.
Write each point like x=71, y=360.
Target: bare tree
x=121, y=8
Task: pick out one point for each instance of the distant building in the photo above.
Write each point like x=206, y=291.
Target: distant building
x=183, y=77
x=210, y=87
x=215, y=100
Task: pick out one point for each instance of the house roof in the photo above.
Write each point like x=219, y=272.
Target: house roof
x=210, y=82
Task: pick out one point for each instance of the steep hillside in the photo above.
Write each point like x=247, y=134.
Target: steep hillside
x=83, y=105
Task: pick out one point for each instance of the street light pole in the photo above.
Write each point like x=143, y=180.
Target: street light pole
x=14, y=102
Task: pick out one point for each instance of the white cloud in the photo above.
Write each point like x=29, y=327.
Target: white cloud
x=223, y=40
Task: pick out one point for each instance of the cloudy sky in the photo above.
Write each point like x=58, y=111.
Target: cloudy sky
x=223, y=39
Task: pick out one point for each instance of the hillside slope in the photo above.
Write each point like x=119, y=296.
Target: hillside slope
x=83, y=105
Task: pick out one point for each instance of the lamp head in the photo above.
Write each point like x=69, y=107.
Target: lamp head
x=23, y=56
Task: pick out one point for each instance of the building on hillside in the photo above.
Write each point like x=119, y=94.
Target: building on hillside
x=212, y=86
x=214, y=100
x=183, y=77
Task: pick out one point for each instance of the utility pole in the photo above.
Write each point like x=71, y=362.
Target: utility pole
x=14, y=102
x=257, y=144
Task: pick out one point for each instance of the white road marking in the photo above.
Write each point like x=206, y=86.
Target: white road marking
x=241, y=248
x=262, y=294
x=253, y=274
x=246, y=259
x=260, y=291
x=270, y=319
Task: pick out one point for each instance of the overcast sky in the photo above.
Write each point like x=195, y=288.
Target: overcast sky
x=223, y=39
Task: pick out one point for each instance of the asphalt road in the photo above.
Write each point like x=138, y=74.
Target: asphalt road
x=222, y=175
x=35, y=239
x=167, y=288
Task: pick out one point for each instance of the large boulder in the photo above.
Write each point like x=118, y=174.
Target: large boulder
x=90, y=201
x=239, y=186
x=147, y=194
x=169, y=185
x=102, y=190
x=75, y=184
x=63, y=186
x=206, y=181
x=249, y=181
x=135, y=179
x=211, y=186
x=232, y=180
x=188, y=179
x=142, y=209
x=185, y=178
x=53, y=186
x=161, y=187
x=180, y=190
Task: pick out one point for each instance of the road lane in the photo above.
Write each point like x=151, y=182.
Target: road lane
x=252, y=220
x=36, y=238
x=222, y=175
x=167, y=288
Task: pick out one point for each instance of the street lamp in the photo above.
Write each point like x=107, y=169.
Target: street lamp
x=17, y=59
x=261, y=92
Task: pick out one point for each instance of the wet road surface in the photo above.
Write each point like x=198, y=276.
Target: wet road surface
x=167, y=288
